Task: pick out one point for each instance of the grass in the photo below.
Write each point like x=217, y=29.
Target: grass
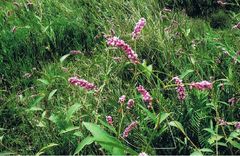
x=42, y=113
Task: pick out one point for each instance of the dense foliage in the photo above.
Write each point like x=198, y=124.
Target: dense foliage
x=64, y=71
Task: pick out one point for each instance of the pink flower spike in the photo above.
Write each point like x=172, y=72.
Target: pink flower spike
x=116, y=42
x=204, y=85
x=145, y=95
x=82, y=83
x=138, y=28
x=109, y=120
x=129, y=128
x=180, y=88
x=237, y=125
x=130, y=103
x=142, y=154
x=122, y=99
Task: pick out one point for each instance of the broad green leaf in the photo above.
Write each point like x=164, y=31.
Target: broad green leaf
x=108, y=126
x=196, y=153
x=37, y=101
x=105, y=140
x=87, y=141
x=160, y=118
x=214, y=138
x=4, y=153
x=51, y=94
x=210, y=130
x=44, y=81
x=177, y=125
x=64, y=57
x=234, y=143
x=74, y=108
x=54, y=118
x=69, y=129
x=35, y=109
x=78, y=134
x=206, y=150
x=149, y=114
x=185, y=73
x=42, y=150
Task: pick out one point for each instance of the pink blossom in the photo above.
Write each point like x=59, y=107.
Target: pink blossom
x=138, y=28
x=143, y=154
x=75, y=52
x=129, y=128
x=201, y=85
x=82, y=83
x=237, y=125
x=233, y=100
x=222, y=122
x=130, y=103
x=109, y=120
x=116, y=42
x=180, y=88
x=146, y=96
x=122, y=99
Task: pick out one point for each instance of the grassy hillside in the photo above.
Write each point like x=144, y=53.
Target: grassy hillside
x=41, y=112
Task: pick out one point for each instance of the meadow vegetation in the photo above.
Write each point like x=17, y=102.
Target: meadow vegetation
x=188, y=66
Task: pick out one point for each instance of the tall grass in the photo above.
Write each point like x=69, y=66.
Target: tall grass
x=43, y=113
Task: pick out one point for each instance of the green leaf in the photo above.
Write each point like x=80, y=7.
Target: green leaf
x=51, y=94
x=69, y=129
x=1, y=138
x=160, y=118
x=37, y=101
x=234, y=143
x=42, y=150
x=206, y=150
x=74, y=108
x=214, y=138
x=78, y=134
x=105, y=140
x=177, y=125
x=44, y=81
x=108, y=126
x=64, y=57
x=87, y=141
x=196, y=153
x=185, y=73
x=149, y=114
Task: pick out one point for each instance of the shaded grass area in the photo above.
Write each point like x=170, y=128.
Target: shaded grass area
x=172, y=42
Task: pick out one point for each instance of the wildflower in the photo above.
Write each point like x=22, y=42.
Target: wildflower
x=75, y=52
x=82, y=83
x=201, y=85
x=122, y=99
x=146, y=96
x=222, y=122
x=237, y=125
x=109, y=120
x=129, y=128
x=116, y=42
x=233, y=100
x=180, y=88
x=143, y=154
x=138, y=28
x=130, y=103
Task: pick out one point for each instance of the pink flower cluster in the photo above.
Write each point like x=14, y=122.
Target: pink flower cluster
x=237, y=125
x=122, y=99
x=145, y=94
x=82, y=83
x=129, y=128
x=109, y=120
x=222, y=122
x=116, y=42
x=204, y=85
x=142, y=154
x=130, y=103
x=180, y=88
x=138, y=28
